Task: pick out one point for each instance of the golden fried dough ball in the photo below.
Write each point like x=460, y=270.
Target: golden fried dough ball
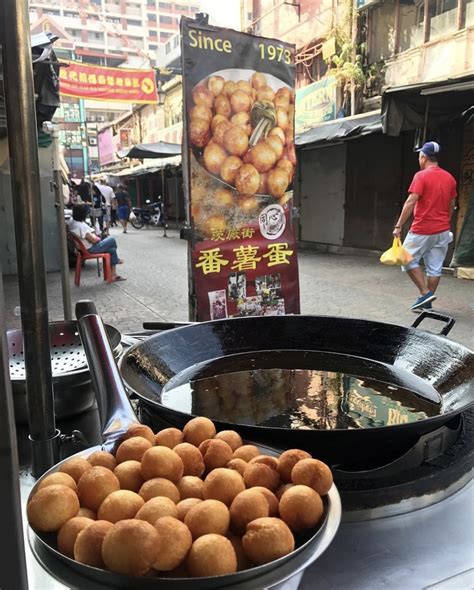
x=265, y=93
x=209, y=516
x=202, y=112
x=246, y=452
x=213, y=157
x=238, y=465
x=193, y=463
x=58, y=478
x=95, y=485
x=201, y=95
x=314, y=474
x=129, y=474
x=260, y=474
x=272, y=462
x=103, y=459
x=247, y=180
x=140, y=430
x=190, y=486
x=231, y=437
x=198, y=430
x=283, y=121
x=274, y=143
x=88, y=545
x=51, y=507
x=120, y=505
x=288, y=459
x=169, y=437
x=216, y=119
x=258, y=80
x=263, y=157
x=199, y=132
x=224, y=485
x=216, y=223
x=216, y=453
x=67, y=534
x=285, y=165
x=301, y=508
x=174, y=542
x=159, y=486
x=282, y=489
x=229, y=87
x=243, y=562
x=245, y=86
x=282, y=97
x=236, y=140
x=278, y=182
x=185, y=506
x=242, y=120
x=130, y=547
x=270, y=497
x=267, y=539
x=223, y=197
x=133, y=449
x=263, y=186
x=155, y=508
x=278, y=132
x=247, y=506
x=162, y=462
x=240, y=101
x=75, y=468
x=248, y=204
x=216, y=84
x=229, y=168
x=211, y=555
x=220, y=130
x=222, y=106
x=87, y=513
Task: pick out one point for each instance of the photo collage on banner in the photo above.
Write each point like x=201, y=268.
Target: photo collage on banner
x=239, y=120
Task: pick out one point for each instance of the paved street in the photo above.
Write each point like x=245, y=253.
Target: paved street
x=330, y=285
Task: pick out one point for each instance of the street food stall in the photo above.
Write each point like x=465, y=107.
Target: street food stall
x=308, y=450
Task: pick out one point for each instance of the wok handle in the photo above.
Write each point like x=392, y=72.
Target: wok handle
x=116, y=412
x=449, y=321
x=165, y=325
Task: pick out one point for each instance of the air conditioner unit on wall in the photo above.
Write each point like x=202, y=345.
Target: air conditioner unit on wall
x=100, y=119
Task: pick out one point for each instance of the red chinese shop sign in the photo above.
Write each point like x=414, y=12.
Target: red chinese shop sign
x=99, y=83
x=239, y=170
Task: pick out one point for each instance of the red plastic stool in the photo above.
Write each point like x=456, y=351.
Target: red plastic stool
x=84, y=254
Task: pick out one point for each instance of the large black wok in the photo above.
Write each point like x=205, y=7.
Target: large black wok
x=431, y=366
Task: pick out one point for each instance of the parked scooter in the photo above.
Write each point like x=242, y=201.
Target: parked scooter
x=151, y=214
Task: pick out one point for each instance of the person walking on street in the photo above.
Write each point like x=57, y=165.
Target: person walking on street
x=431, y=199
x=124, y=206
x=108, y=194
x=92, y=243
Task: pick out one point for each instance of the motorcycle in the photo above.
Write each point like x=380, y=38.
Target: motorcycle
x=151, y=214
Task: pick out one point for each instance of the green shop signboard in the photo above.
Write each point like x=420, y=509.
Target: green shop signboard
x=315, y=104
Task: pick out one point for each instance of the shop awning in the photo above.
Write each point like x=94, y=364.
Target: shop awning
x=406, y=107
x=148, y=167
x=151, y=150
x=341, y=129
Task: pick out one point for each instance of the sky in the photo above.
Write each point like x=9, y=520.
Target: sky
x=222, y=13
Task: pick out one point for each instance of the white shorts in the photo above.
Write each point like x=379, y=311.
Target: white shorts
x=432, y=249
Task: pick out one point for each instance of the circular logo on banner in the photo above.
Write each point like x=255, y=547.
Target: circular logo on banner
x=272, y=222
x=148, y=86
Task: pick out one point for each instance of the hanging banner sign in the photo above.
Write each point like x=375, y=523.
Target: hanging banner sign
x=98, y=83
x=239, y=142
x=316, y=103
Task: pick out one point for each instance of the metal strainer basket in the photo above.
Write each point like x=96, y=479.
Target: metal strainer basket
x=71, y=378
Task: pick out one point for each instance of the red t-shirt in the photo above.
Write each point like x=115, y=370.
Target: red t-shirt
x=436, y=188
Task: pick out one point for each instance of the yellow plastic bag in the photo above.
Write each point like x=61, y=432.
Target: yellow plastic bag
x=396, y=254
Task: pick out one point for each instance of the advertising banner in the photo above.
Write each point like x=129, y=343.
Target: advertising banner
x=240, y=164
x=316, y=103
x=99, y=83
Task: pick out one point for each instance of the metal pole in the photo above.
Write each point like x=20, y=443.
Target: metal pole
x=176, y=200
x=65, y=284
x=13, y=571
x=23, y=144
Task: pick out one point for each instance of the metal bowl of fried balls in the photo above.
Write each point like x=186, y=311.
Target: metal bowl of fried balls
x=243, y=132
x=190, y=503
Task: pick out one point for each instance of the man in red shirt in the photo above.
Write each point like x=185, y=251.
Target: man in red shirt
x=431, y=199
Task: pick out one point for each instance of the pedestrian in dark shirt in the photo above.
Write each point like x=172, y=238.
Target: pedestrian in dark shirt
x=124, y=206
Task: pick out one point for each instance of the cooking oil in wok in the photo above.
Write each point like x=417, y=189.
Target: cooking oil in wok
x=299, y=399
